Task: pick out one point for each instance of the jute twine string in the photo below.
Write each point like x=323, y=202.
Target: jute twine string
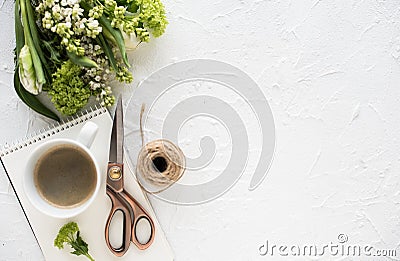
x=170, y=155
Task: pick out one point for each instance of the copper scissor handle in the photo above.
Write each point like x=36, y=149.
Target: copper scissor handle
x=127, y=221
x=132, y=212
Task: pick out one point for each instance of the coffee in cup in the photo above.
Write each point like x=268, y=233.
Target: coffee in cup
x=65, y=176
x=62, y=176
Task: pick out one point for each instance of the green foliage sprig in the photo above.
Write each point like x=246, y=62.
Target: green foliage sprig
x=69, y=234
x=68, y=91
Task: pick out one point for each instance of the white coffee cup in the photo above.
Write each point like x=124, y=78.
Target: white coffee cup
x=84, y=142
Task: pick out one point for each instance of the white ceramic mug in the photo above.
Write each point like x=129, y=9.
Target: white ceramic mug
x=84, y=142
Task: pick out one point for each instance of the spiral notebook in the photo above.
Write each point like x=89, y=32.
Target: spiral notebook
x=92, y=221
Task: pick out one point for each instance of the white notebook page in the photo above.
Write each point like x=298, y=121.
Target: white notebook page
x=92, y=221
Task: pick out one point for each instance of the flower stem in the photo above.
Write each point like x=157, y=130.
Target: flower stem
x=35, y=37
x=19, y=31
x=28, y=41
x=90, y=257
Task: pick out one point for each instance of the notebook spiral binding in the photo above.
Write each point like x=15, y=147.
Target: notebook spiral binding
x=52, y=129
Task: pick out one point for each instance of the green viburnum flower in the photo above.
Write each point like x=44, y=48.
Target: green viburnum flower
x=68, y=91
x=152, y=15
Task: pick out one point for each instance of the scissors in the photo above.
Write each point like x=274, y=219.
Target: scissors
x=121, y=200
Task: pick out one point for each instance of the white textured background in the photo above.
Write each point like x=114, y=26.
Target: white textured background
x=331, y=72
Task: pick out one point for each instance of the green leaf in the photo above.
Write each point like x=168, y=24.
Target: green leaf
x=31, y=100
x=108, y=51
x=19, y=31
x=29, y=41
x=82, y=60
x=82, y=243
x=36, y=39
x=116, y=33
x=80, y=246
x=133, y=7
x=55, y=56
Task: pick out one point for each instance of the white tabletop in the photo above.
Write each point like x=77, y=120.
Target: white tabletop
x=331, y=73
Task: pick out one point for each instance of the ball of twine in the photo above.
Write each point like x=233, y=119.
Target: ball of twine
x=160, y=164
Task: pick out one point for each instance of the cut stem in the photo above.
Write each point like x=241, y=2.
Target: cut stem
x=90, y=257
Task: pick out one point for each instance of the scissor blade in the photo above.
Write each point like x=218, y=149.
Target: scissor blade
x=117, y=135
